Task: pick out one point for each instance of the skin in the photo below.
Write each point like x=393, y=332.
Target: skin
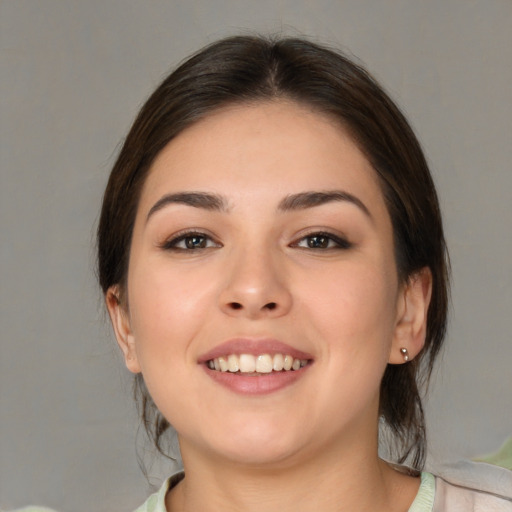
x=258, y=277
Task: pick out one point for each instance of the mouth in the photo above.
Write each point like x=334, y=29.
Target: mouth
x=254, y=365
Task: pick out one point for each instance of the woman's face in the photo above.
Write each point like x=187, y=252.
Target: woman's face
x=262, y=233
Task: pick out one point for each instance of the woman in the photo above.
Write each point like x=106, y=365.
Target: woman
x=272, y=256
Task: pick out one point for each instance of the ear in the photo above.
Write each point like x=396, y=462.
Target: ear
x=411, y=325
x=121, y=323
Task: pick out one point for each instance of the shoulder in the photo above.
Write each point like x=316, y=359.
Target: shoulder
x=156, y=502
x=472, y=487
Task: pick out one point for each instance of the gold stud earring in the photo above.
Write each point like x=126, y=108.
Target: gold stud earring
x=405, y=354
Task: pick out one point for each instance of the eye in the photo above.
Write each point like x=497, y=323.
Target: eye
x=322, y=241
x=190, y=241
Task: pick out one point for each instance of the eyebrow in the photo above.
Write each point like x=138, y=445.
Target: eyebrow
x=305, y=200
x=212, y=202
x=300, y=201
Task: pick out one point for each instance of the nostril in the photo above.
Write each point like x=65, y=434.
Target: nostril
x=271, y=306
x=236, y=305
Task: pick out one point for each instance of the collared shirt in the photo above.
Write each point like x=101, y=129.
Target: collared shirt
x=462, y=487
x=467, y=487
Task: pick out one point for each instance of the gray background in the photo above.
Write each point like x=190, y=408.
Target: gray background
x=73, y=76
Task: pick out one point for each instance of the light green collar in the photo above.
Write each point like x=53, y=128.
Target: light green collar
x=424, y=501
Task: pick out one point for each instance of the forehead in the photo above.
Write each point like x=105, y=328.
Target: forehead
x=272, y=149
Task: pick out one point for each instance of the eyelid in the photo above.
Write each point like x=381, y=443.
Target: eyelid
x=341, y=240
x=170, y=243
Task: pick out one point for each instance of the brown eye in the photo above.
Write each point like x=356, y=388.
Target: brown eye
x=190, y=242
x=319, y=241
x=195, y=242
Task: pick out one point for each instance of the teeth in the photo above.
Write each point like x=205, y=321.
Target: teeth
x=233, y=363
x=278, y=364
x=264, y=363
x=247, y=363
x=224, y=366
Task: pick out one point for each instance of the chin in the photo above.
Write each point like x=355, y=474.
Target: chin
x=257, y=444
x=256, y=454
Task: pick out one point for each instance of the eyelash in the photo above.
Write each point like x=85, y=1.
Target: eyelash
x=339, y=243
x=172, y=244
x=333, y=241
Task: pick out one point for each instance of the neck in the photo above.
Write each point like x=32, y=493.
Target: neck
x=336, y=479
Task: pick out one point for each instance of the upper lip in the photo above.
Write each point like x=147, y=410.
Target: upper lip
x=254, y=346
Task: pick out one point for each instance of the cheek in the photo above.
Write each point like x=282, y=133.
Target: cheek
x=354, y=306
x=167, y=308
x=349, y=313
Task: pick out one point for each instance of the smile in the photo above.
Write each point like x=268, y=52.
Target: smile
x=256, y=364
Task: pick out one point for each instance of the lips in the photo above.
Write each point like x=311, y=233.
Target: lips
x=255, y=366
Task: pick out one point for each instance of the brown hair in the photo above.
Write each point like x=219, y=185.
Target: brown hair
x=251, y=69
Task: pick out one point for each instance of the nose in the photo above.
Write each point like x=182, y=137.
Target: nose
x=256, y=286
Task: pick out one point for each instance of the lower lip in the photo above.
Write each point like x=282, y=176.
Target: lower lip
x=263, y=384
